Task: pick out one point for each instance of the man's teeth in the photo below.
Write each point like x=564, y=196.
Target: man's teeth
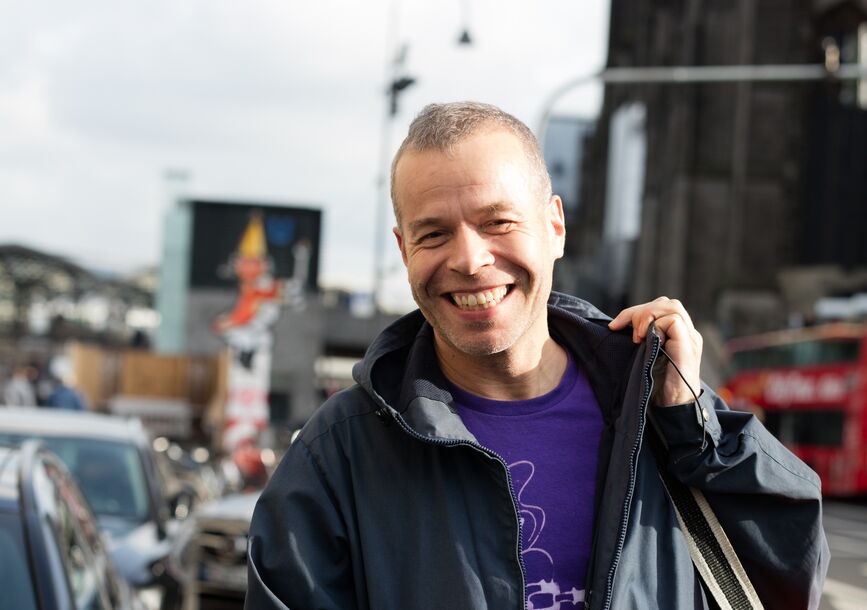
x=479, y=300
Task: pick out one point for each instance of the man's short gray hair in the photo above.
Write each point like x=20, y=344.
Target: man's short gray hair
x=442, y=126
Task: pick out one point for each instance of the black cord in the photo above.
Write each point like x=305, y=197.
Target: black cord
x=679, y=372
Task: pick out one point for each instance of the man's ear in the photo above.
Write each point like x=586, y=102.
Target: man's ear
x=400, y=244
x=557, y=221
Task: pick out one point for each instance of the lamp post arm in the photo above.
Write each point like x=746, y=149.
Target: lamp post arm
x=684, y=75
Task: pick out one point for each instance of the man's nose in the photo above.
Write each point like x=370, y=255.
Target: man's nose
x=470, y=252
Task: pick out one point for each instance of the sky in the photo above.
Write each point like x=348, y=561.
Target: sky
x=269, y=101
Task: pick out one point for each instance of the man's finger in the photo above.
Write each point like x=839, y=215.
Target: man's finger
x=671, y=307
x=629, y=315
x=665, y=323
x=681, y=310
x=674, y=326
x=641, y=323
x=622, y=319
x=640, y=316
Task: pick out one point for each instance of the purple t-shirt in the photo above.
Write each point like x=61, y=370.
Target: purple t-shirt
x=550, y=444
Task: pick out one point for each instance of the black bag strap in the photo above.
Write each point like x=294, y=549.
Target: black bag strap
x=709, y=547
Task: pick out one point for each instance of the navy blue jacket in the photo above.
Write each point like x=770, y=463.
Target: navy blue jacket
x=385, y=501
x=64, y=397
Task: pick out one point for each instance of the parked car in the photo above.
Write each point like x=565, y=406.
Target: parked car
x=54, y=557
x=215, y=548
x=114, y=464
x=195, y=478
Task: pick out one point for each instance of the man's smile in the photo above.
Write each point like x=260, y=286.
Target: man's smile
x=482, y=299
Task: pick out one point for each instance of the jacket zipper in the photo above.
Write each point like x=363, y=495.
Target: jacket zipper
x=633, y=458
x=490, y=454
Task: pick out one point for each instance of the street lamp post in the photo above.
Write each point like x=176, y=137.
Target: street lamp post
x=398, y=82
x=688, y=75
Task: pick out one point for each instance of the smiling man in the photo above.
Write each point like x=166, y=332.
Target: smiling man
x=479, y=237
x=493, y=454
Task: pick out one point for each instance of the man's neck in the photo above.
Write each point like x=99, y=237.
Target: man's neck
x=506, y=375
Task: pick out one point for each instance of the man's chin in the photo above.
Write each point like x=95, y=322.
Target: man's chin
x=473, y=346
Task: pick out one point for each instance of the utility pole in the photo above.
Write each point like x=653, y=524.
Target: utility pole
x=398, y=82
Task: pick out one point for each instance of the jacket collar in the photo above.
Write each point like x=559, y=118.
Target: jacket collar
x=400, y=369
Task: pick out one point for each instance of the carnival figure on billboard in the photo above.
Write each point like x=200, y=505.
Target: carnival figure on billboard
x=247, y=328
x=247, y=331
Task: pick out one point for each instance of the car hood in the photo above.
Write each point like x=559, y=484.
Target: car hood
x=234, y=507
x=138, y=550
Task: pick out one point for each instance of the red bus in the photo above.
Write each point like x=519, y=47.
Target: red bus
x=809, y=387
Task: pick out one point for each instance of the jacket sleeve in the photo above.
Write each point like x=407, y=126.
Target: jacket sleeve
x=768, y=501
x=297, y=552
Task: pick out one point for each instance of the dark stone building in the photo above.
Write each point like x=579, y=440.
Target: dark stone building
x=732, y=182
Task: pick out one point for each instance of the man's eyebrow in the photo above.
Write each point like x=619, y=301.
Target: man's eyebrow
x=498, y=208
x=423, y=223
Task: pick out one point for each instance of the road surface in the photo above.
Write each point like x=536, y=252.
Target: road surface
x=846, y=528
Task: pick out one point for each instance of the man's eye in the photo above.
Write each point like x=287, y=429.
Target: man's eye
x=500, y=226
x=432, y=236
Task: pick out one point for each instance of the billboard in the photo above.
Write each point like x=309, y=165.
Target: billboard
x=269, y=256
x=292, y=236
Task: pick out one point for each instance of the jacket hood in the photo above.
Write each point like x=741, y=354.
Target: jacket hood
x=400, y=368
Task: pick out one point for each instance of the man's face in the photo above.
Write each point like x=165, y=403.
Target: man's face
x=479, y=243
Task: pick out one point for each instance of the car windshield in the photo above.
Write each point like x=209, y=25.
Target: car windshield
x=15, y=576
x=109, y=474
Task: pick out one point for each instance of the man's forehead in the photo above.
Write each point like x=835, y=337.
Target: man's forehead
x=485, y=167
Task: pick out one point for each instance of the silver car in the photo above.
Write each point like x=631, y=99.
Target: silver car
x=52, y=551
x=215, y=548
x=115, y=466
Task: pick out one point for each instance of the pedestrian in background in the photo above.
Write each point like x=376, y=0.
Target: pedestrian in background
x=19, y=391
x=64, y=394
x=496, y=450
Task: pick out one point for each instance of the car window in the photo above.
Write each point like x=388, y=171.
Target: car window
x=109, y=473
x=87, y=526
x=15, y=579
x=76, y=555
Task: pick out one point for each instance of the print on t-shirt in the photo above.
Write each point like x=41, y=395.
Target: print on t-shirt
x=552, y=444
x=543, y=592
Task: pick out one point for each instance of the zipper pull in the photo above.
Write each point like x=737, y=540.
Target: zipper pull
x=383, y=415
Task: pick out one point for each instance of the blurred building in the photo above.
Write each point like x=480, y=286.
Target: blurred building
x=709, y=192
x=563, y=151
x=316, y=334
x=47, y=300
x=564, y=146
